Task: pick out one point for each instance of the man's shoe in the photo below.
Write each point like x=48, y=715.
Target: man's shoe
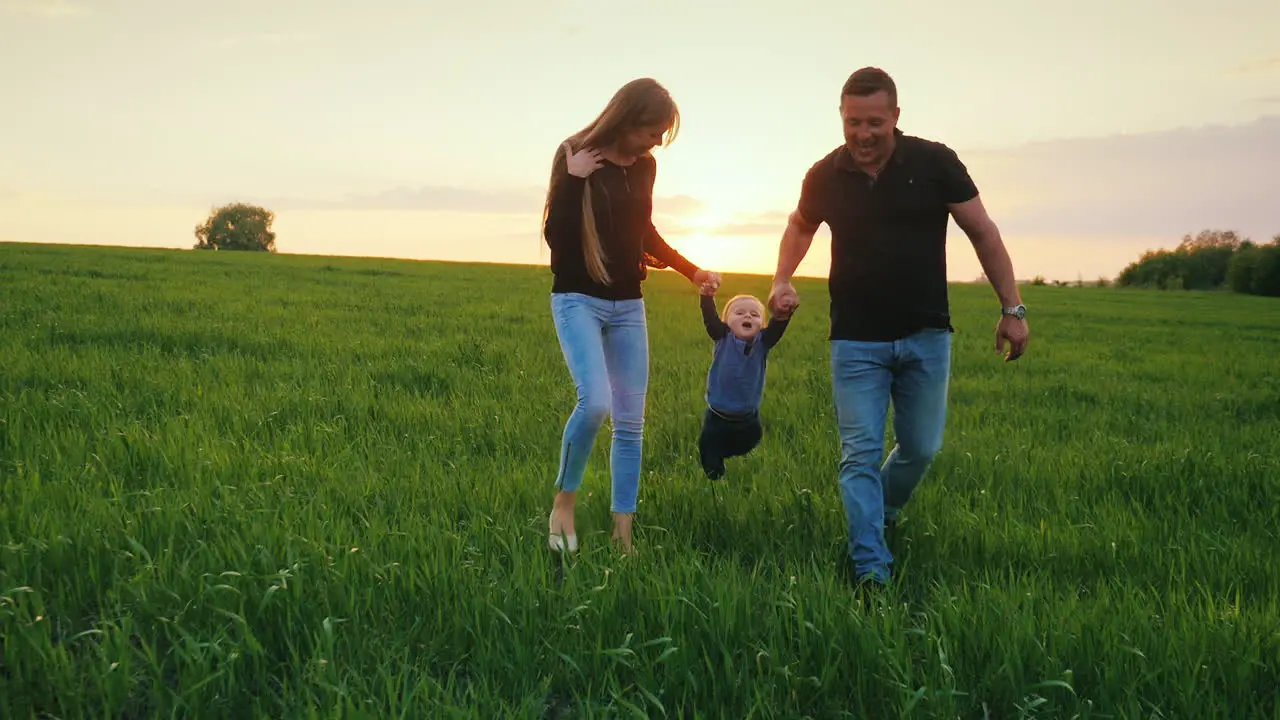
x=870, y=590
x=858, y=581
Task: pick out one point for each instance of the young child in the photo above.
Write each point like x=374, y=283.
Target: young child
x=735, y=383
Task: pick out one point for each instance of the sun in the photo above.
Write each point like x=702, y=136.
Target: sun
x=716, y=233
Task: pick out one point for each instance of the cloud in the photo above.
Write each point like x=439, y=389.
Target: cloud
x=450, y=198
x=749, y=228
x=1260, y=66
x=1164, y=183
x=445, y=198
x=1268, y=100
x=677, y=205
x=45, y=8
x=265, y=37
x=761, y=224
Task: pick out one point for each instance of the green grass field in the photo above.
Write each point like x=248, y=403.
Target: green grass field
x=241, y=485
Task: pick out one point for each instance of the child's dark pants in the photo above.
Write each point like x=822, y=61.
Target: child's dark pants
x=724, y=437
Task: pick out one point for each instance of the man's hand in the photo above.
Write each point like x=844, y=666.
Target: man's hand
x=783, y=299
x=1015, y=332
x=782, y=314
x=796, y=239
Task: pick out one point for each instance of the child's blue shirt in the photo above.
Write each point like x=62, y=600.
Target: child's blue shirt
x=735, y=383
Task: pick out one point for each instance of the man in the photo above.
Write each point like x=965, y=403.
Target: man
x=887, y=198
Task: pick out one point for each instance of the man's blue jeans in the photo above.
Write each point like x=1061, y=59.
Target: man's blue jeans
x=914, y=372
x=606, y=346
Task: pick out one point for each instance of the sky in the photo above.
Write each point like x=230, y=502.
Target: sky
x=1095, y=130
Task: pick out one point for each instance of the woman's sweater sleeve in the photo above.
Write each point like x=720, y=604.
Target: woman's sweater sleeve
x=563, y=226
x=658, y=248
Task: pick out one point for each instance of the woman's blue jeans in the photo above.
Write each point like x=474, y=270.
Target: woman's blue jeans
x=606, y=346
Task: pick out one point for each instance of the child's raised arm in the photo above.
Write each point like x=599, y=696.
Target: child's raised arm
x=773, y=331
x=716, y=328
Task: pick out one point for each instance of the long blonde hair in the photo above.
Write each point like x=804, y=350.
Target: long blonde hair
x=638, y=103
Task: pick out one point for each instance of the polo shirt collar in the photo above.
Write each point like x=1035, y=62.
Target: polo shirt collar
x=844, y=162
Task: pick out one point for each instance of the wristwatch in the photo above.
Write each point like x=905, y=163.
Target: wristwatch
x=1018, y=311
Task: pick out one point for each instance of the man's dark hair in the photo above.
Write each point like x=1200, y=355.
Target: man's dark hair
x=869, y=81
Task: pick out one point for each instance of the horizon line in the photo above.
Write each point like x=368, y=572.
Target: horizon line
x=500, y=263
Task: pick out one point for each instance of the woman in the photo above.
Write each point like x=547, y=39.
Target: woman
x=598, y=222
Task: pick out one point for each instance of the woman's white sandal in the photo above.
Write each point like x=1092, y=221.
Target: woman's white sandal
x=557, y=542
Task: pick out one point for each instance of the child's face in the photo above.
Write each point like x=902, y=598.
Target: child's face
x=745, y=318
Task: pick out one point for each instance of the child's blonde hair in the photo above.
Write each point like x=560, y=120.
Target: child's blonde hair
x=724, y=314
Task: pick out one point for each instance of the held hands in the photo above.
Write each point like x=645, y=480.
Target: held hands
x=708, y=282
x=581, y=163
x=783, y=299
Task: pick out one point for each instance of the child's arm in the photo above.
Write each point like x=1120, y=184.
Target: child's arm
x=773, y=331
x=715, y=326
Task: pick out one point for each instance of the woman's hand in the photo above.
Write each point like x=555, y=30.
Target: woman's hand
x=707, y=282
x=581, y=163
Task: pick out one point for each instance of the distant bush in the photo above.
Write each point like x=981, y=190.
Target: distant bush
x=1156, y=269
x=237, y=227
x=1211, y=260
x=1255, y=269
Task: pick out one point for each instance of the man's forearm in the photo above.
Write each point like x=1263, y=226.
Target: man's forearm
x=997, y=265
x=796, y=240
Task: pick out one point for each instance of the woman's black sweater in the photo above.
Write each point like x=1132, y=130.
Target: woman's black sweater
x=622, y=201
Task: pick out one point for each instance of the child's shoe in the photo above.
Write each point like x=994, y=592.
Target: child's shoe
x=713, y=466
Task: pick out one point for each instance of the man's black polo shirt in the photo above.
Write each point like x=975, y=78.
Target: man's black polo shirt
x=888, y=275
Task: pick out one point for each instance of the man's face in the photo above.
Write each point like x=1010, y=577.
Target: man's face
x=869, y=123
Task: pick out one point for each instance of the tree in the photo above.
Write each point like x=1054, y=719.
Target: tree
x=1207, y=255
x=237, y=226
x=1243, y=268
x=1255, y=269
x=1155, y=268
x=1212, y=239
x=1199, y=263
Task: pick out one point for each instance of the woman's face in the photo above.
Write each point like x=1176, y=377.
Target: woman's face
x=640, y=140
